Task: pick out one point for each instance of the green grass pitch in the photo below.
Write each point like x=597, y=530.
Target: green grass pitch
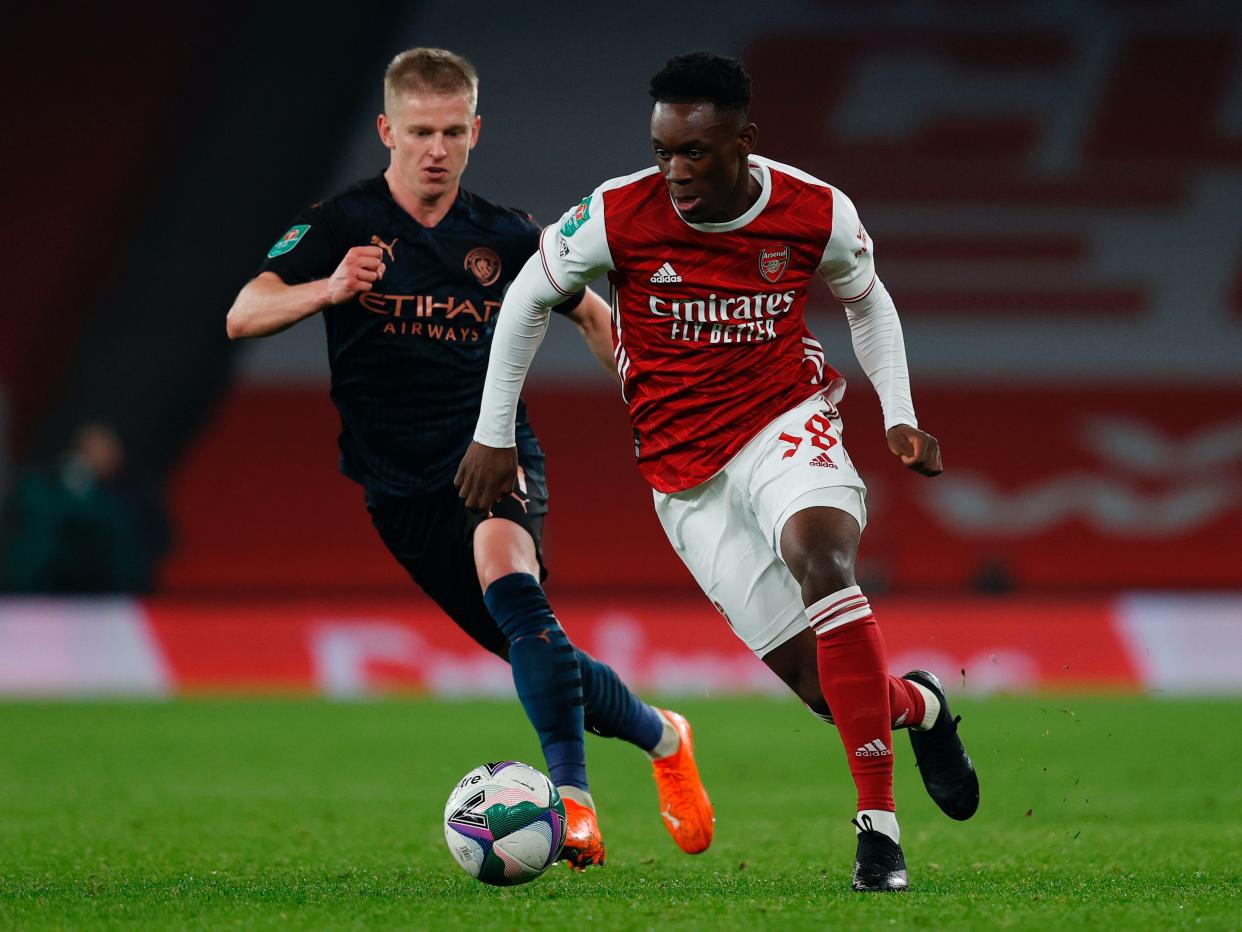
x=1098, y=812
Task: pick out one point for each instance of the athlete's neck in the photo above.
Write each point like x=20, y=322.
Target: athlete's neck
x=428, y=211
x=741, y=199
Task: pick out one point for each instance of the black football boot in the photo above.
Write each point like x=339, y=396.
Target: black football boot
x=947, y=770
x=879, y=866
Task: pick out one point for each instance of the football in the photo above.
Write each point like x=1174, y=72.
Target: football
x=504, y=823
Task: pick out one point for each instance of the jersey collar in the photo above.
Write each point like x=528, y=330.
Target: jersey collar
x=764, y=175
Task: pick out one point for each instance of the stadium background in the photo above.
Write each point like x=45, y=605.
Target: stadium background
x=1056, y=196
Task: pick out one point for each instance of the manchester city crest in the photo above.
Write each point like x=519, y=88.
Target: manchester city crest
x=484, y=264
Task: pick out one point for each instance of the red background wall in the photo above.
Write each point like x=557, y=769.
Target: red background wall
x=1135, y=487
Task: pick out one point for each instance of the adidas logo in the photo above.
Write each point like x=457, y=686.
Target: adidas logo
x=874, y=748
x=823, y=460
x=665, y=275
x=901, y=720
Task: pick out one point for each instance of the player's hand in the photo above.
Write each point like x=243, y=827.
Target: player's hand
x=917, y=449
x=486, y=475
x=361, y=268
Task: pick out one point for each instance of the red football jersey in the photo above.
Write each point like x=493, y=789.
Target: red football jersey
x=709, y=331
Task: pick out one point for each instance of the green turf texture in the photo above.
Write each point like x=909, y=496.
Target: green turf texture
x=1101, y=813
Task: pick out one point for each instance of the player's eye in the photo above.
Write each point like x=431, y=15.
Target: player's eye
x=661, y=154
x=695, y=154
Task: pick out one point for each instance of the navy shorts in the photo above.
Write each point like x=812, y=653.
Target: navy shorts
x=432, y=537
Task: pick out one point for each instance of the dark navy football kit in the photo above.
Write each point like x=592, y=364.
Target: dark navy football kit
x=408, y=360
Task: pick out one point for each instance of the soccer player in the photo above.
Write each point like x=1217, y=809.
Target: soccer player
x=735, y=416
x=408, y=270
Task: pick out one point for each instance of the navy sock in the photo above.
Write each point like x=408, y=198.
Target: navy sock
x=612, y=711
x=545, y=673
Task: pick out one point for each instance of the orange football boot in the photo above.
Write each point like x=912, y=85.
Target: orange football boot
x=584, y=846
x=687, y=811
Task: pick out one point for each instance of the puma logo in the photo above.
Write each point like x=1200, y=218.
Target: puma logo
x=387, y=247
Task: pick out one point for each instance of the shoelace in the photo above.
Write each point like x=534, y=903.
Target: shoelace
x=679, y=784
x=684, y=798
x=880, y=851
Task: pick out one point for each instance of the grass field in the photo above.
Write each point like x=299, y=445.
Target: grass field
x=1097, y=813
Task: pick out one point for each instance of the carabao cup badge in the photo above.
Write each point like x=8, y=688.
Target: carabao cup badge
x=773, y=262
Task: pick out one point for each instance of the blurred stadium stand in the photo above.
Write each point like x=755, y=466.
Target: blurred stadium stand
x=1055, y=193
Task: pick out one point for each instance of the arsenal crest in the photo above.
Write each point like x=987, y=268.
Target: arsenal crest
x=773, y=262
x=484, y=264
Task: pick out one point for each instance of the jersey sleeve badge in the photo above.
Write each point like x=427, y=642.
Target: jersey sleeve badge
x=289, y=241
x=580, y=215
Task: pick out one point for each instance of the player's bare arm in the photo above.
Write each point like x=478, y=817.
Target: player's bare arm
x=267, y=305
x=593, y=319
x=917, y=449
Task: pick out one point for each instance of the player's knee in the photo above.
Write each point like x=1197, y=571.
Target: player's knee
x=827, y=567
x=501, y=548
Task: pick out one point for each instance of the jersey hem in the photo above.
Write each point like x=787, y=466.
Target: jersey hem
x=836, y=387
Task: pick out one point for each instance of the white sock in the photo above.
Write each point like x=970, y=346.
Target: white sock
x=669, y=742
x=882, y=821
x=933, y=707
x=840, y=608
x=581, y=797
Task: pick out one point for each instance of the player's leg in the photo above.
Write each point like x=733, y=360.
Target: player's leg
x=429, y=537
x=545, y=670
x=507, y=557
x=730, y=551
x=732, y=557
x=546, y=674
x=809, y=501
x=916, y=702
x=818, y=545
x=613, y=711
x=610, y=709
x=796, y=663
x=432, y=536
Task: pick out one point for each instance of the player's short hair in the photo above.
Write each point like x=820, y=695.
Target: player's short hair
x=703, y=77
x=430, y=71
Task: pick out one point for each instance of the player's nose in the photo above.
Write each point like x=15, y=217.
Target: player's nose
x=678, y=170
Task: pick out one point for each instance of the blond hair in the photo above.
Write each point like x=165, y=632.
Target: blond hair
x=430, y=71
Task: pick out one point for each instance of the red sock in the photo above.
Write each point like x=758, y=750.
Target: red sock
x=905, y=702
x=853, y=674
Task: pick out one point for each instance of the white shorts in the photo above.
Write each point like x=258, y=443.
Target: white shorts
x=727, y=530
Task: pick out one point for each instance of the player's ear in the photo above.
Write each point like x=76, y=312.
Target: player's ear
x=384, y=126
x=747, y=138
x=474, y=131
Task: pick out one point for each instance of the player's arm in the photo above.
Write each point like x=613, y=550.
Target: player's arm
x=568, y=259
x=488, y=471
x=268, y=305
x=593, y=318
x=875, y=330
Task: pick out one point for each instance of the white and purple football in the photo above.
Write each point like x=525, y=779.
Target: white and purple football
x=504, y=823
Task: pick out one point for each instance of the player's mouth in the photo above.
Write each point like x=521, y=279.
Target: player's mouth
x=435, y=173
x=687, y=203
